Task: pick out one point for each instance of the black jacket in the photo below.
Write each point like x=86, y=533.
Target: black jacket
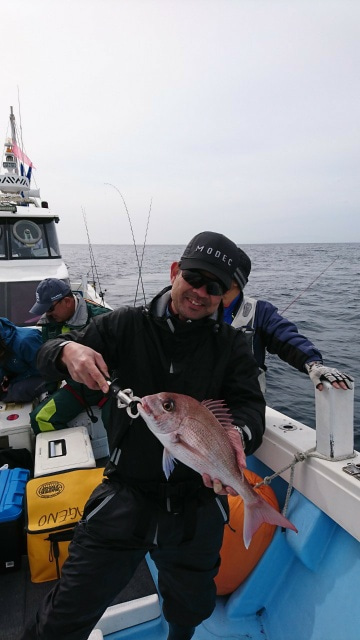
x=208, y=360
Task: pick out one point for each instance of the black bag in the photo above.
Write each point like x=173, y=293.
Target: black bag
x=17, y=459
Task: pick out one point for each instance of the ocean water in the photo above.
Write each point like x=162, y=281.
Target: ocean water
x=317, y=285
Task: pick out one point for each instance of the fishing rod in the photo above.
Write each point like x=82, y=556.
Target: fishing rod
x=142, y=255
x=92, y=258
x=133, y=237
x=308, y=287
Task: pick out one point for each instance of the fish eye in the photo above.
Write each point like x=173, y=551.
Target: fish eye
x=168, y=405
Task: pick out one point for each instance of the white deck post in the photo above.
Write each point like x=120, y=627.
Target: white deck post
x=334, y=421
x=84, y=284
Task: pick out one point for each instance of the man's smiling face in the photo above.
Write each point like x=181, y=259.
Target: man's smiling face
x=190, y=303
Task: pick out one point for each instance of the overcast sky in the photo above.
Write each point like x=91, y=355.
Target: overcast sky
x=238, y=116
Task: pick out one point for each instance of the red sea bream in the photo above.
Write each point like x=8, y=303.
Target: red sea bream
x=202, y=436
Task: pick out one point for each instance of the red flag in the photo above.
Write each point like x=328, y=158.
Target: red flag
x=21, y=155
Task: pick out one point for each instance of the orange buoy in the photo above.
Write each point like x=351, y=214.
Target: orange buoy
x=237, y=561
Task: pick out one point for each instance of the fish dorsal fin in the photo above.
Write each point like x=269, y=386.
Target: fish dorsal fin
x=222, y=413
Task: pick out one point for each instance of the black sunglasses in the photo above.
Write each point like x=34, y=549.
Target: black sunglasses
x=51, y=309
x=197, y=280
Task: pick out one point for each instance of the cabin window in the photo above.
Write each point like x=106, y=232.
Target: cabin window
x=52, y=239
x=26, y=239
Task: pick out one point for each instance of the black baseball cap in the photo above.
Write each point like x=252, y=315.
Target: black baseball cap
x=243, y=268
x=212, y=252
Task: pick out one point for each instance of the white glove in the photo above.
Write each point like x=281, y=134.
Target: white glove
x=319, y=373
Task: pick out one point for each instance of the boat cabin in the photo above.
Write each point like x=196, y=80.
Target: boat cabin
x=29, y=252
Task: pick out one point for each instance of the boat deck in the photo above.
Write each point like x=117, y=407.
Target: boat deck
x=303, y=587
x=20, y=598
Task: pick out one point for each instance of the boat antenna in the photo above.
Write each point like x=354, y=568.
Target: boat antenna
x=21, y=133
x=92, y=259
x=143, y=252
x=133, y=237
x=308, y=287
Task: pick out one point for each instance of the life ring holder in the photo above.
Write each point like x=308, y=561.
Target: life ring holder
x=29, y=235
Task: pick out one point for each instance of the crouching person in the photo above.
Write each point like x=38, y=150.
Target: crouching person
x=61, y=311
x=20, y=381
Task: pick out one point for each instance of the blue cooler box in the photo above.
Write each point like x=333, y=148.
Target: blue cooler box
x=12, y=490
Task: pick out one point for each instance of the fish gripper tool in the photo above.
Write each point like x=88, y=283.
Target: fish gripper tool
x=125, y=398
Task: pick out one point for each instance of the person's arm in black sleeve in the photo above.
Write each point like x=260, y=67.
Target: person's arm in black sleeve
x=97, y=339
x=246, y=402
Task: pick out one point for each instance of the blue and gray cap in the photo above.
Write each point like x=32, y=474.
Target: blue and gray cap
x=49, y=291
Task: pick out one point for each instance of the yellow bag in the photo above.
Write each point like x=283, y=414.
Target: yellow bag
x=54, y=504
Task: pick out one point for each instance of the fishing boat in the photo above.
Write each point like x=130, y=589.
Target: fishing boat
x=29, y=252
x=29, y=246
x=304, y=586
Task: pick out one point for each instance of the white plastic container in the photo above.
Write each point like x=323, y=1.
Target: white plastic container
x=62, y=450
x=15, y=430
x=96, y=430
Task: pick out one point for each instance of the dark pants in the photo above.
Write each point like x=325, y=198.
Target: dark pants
x=25, y=390
x=108, y=546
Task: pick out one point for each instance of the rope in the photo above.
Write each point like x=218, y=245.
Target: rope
x=299, y=456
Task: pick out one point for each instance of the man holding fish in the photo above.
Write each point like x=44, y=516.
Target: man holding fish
x=201, y=400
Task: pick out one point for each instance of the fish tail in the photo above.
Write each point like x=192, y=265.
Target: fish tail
x=258, y=512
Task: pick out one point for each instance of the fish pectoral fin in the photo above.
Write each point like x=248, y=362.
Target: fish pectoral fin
x=168, y=463
x=237, y=445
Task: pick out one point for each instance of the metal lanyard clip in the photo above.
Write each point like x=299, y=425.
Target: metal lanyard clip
x=125, y=399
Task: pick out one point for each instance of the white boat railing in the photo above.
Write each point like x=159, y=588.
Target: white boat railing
x=334, y=422
x=320, y=458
